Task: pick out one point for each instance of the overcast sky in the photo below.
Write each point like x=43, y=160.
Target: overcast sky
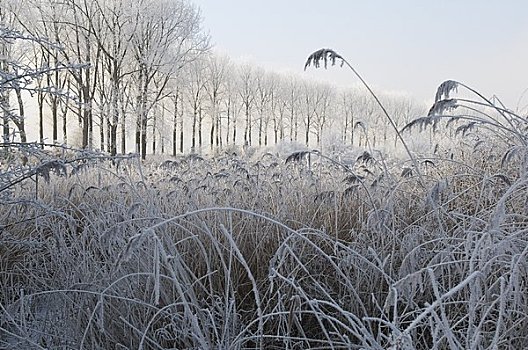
x=407, y=46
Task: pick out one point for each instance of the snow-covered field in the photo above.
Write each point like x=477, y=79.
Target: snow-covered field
x=275, y=251
x=406, y=229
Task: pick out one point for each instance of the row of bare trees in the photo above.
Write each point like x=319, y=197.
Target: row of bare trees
x=217, y=102
x=111, y=73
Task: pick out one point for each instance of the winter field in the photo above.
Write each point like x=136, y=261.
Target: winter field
x=258, y=210
x=274, y=250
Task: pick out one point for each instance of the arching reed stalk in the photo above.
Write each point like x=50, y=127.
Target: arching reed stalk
x=329, y=55
x=512, y=119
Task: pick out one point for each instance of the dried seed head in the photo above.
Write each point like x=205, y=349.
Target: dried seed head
x=445, y=89
x=324, y=55
x=441, y=106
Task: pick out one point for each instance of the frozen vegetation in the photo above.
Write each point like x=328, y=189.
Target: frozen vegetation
x=407, y=230
x=283, y=249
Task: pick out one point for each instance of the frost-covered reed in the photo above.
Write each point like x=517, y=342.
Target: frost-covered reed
x=288, y=252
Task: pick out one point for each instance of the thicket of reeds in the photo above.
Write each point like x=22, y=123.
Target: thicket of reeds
x=277, y=251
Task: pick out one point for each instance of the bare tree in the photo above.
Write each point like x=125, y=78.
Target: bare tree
x=311, y=97
x=195, y=96
x=246, y=91
x=216, y=70
x=231, y=104
x=279, y=109
x=262, y=99
x=345, y=105
x=292, y=100
x=323, y=109
x=176, y=98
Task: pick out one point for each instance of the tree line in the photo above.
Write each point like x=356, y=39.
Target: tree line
x=108, y=74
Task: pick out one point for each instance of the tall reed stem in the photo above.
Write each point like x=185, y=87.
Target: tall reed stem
x=328, y=54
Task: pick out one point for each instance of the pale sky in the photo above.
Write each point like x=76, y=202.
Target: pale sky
x=407, y=46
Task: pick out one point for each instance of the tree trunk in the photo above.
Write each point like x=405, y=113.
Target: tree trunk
x=138, y=133
x=113, y=137
x=109, y=141
x=101, y=131
x=21, y=122
x=261, y=124
x=250, y=137
x=54, y=102
x=65, y=121
x=247, y=130
x=123, y=128
x=218, y=132
x=234, y=132
x=114, y=100
x=307, y=138
x=181, y=134
x=144, y=137
x=266, y=126
x=281, y=128
x=193, y=142
x=174, y=149
x=293, y=126
x=175, y=126
x=139, y=110
x=40, y=102
x=352, y=130
x=4, y=104
x=154, y=134
x=6, y=126
x=87, y=123
x=228, y=124
x=211, y=135
x=144, y=118
x=200, y=119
